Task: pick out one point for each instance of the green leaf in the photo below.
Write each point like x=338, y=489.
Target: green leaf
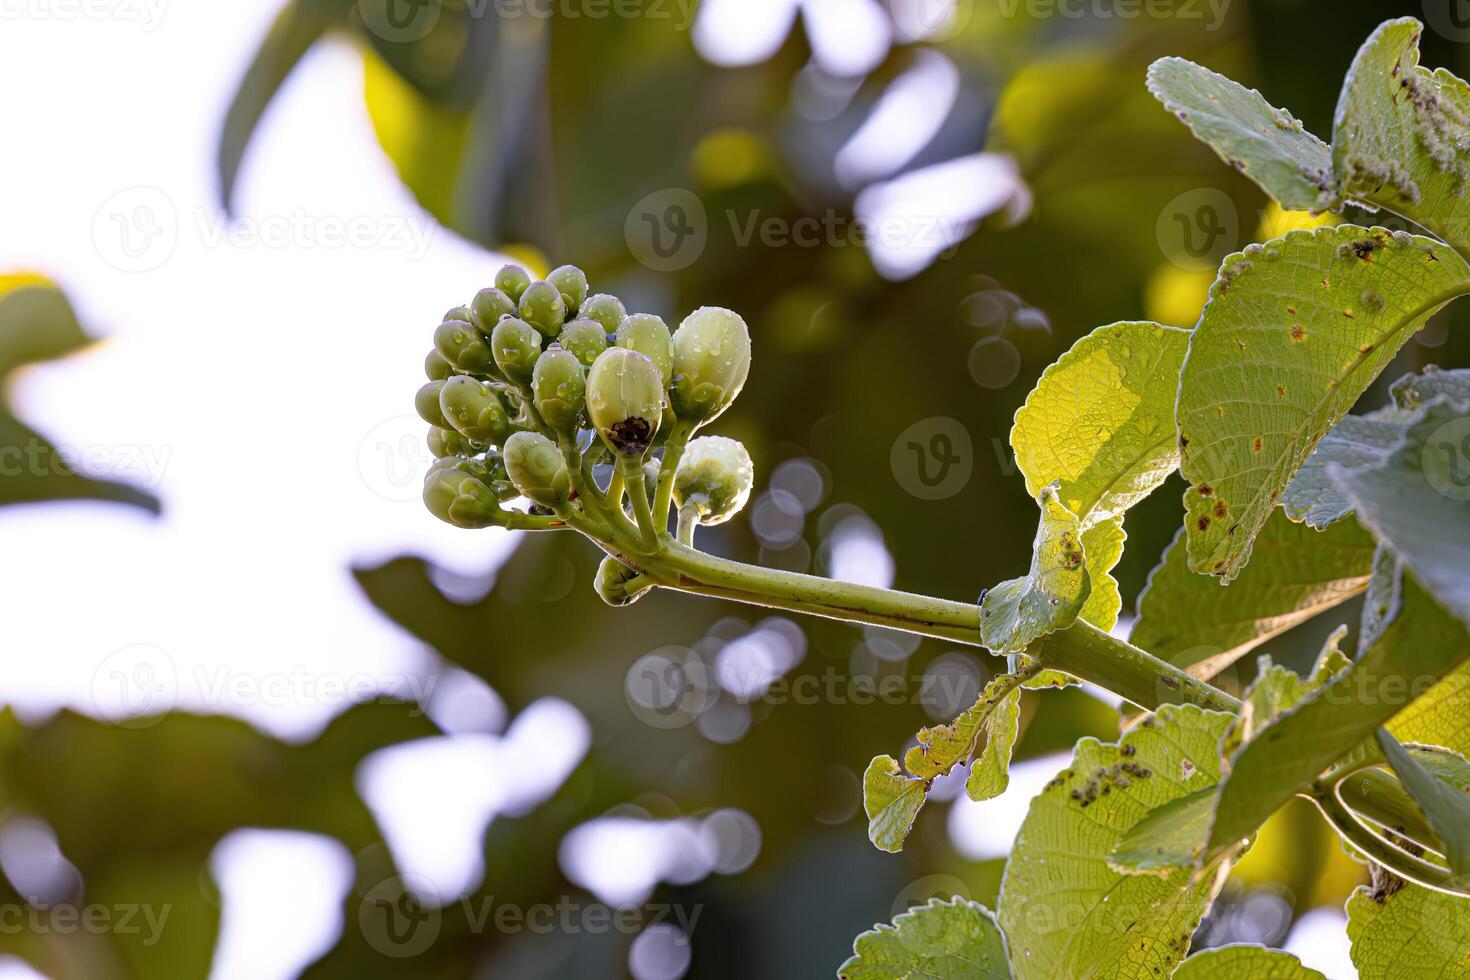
x=1171, y=836
x=1399, y=136
x=1413, y=390
x=1421, y=645
x=957, y=938
x=990, y=775
x=1099, y=421
x=1244, y=962
x=1445, y=805
x=1019, y=611
x=892, y=801
x=1292, y=335
x=1266, y=144
x=1102, y=544
x=1357, y=441
x=1064, y=911
x=1409, y=934
x=1191, y=621
x=1417, y=501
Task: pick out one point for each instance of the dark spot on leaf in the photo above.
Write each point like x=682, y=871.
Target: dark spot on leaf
x=1205, y=489
x=1221, y=509
x=1298, y=332
x=1203, y=523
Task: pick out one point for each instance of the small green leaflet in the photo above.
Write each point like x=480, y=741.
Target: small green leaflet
x=1019, y=611
x=892, y=799
x=1408, y=934
x=1400, y=133
x=1294, y=331
x=1097, y=423
x=1244, y=963
x=1296, y=573
x=1446, y=805
x=1064, y=911
x=955, y=938
x=1417, y=501
x=1267, y=144
x=1421, y=644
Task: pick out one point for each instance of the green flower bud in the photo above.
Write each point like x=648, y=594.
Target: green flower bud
x=447, y=442
x=711, y=361
x=649, y=336
x=459, y=313
x=542, y=307
x=426, y=401
x=490, y=304
x=559, y=384
x=537, y=469
x=474, y=410
x=517, y=345
x=612, y=583
x=458, y=492
x=585, y=338
x=462, y=346
x=436, y=367
x=512, y=280
x=714, y=477
x=604, y=309
x=625, y=400
x=571, y=282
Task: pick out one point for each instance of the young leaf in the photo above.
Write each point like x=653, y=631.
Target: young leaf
x=1293, y=333
x=1102, y=544
x=1400, y=132
x=1417, y=501
x=892, y=801
x=1266, y=144
x=1171, y=836
x=1018, y=611
x=1244, y=963
x=1446, y=805
x=957, y=938
x=1296, y=573
x=1064, y=911
x=1408, y=934
x=1099, y=422
x=1422, y=644
x=990, y=775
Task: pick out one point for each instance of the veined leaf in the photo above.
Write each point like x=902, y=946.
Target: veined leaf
x=1445, y=805
x=1422, y=644
x=955, y=938
x=1099, y=422
x=1244, y=962
x=1357, y=441
x=1400, y=135
x=1413, y=390
x=1417, y=501
x=1268, y=145
x=1294, y=332
x=1191, y=621
x=1064, y=911
x=892, y=799
x=1102, y=547
x=1408, y=934
x=1020, y=610
x=991, y=773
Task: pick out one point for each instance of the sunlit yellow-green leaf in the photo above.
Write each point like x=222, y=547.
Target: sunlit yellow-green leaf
x=1051, y=596
x=943, y=938
x=1409, y=934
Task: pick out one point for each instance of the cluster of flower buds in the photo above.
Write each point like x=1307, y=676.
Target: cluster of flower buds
x=535, y=382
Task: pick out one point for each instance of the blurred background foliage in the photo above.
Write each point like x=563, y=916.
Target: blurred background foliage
x=536, y=138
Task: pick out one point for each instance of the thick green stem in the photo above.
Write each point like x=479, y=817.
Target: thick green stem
x=632, y=469
x=688, y=521
x=673, y=452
